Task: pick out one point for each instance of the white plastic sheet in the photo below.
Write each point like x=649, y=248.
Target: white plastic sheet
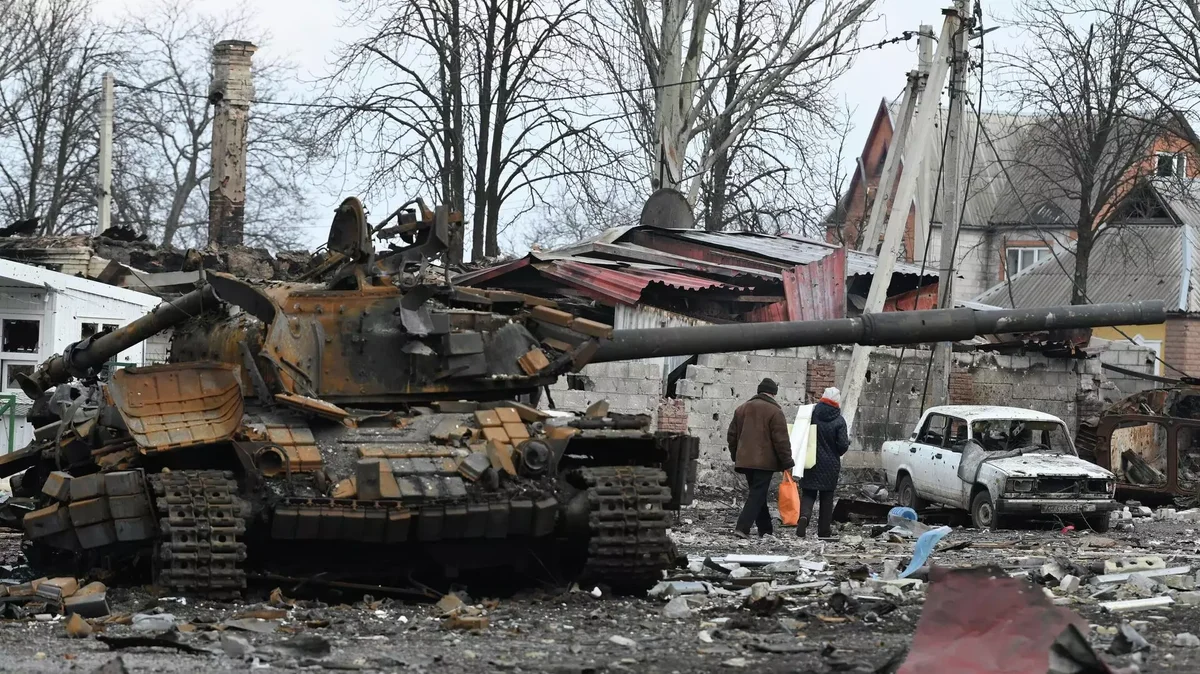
x=799, y=438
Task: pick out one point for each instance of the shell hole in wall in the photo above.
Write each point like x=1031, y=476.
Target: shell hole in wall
x=868, y=376
x=716, y=416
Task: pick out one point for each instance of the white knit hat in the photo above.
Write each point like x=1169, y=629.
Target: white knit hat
x=832, y=394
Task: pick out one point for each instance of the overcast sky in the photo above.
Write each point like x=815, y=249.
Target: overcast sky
x=306, y=31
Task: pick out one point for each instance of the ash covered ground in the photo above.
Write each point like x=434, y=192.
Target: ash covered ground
x=802, y=626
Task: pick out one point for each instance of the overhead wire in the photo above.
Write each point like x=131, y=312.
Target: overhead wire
x=924, y=259
x=904, y=36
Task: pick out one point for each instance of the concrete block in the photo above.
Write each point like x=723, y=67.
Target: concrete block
x=97, y=535
x=90, y=511
x=124, y=483
x=136, y=505
x=58, y=486
x=87, y=487
x=689, y=388
x=135, y=528
x=701, y=374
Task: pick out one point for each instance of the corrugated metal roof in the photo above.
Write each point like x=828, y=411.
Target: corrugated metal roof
x=792, y=250
x=624, y=284
x=1128, y=263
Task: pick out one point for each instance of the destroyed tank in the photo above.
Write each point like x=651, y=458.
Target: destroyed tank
x=380, y=422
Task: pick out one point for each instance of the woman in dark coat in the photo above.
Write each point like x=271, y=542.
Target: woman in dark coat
x=821, y=480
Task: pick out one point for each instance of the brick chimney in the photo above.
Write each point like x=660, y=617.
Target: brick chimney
x=230, y=93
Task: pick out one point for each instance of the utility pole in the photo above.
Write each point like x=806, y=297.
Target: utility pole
x=924, y=189
x=230, y=93
x=951, y=201
x=107, y=104
x=893, y=235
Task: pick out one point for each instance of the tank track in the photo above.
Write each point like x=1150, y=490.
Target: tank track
x=201, y=519
x=629, y=547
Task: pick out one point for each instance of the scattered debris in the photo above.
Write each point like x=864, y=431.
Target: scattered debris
x=235, y=646
x=116, y=643
x=1128, y=641
x=677, y=609
x=153, y=622
x=1126, y=605
x=623, y=641
x=77, y=627
x=762, y=600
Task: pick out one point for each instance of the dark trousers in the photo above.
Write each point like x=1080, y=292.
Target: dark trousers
x=755, y=509
x=808, y=499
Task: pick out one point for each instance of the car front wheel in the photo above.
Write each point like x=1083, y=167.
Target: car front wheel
x=906, y=494
x=983, y=511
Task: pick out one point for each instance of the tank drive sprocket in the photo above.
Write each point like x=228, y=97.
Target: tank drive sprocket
x=201, y=519
x=629, y=546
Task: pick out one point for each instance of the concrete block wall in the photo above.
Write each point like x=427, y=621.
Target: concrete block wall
x=1130, y=356
x=629, y=388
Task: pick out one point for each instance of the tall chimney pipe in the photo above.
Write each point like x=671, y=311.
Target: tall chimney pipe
x=230, y=93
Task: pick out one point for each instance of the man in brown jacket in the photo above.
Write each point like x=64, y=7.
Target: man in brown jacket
x=759, y=446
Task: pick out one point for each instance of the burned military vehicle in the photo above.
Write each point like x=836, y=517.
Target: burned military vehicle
x=379, y=421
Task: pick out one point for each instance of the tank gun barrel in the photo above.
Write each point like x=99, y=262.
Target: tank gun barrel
x=83, y=357
x=891, y=328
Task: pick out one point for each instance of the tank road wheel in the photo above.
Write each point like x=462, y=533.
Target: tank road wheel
x=628, y=548
x=201, y=519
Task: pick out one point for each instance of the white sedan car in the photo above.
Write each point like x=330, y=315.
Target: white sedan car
x=998, y=461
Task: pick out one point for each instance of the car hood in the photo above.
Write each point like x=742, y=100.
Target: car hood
x=1049, y=465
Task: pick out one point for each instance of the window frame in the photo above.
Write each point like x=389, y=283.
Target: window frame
x=1034, y=250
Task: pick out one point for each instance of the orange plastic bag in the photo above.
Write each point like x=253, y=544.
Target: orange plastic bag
x=789, y=500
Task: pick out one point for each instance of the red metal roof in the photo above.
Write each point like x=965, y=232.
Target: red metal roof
x=624, y=284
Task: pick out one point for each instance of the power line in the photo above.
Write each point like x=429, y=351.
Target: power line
x=1050, y=247
x=904, y=36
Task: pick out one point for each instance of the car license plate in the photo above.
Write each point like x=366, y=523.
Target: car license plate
x=1064, y=508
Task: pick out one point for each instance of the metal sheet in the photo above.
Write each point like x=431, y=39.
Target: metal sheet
x=817, y=291
x=623, y=285
x=170, y=406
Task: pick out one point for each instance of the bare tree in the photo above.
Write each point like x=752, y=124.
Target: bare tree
x=737, y=119
x=47, y=149
x=1083, y=82
x=476, y=102
x=164, y=131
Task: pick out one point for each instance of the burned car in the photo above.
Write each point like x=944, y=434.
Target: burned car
x=997, y=462
x=1151, y=441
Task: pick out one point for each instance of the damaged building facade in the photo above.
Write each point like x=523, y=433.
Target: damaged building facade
x=645, y=277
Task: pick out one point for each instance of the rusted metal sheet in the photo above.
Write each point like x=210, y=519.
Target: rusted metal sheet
x=624, y=285
x=320, y=408
x=817, y=290
x=919, y=299
x=769, y=313
x=171, y=406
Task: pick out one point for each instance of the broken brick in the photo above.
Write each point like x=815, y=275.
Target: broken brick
x=58, y=486
x=87, y=487
x=533, y=362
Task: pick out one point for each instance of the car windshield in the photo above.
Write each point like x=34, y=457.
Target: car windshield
x=1004, y=435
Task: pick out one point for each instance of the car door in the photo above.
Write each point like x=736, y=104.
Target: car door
x=949, y=487
x=927, y=444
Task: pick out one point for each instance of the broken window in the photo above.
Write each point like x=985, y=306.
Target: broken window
x=934, y=432
x=1138, y=451
x=11, y=370
x=88, y=329
x=958, y=435
x=1171, y=164
x=1021, y=258
x=20, y=335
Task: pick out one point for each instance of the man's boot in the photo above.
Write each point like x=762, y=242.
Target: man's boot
x=802, y=527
